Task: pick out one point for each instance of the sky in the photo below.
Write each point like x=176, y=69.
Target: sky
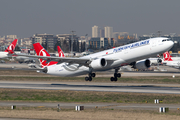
x=25, y=18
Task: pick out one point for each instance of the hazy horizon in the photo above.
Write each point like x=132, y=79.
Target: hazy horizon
x=27, y=17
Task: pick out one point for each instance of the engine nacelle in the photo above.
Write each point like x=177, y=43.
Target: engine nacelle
x=159, y=60
x=98, y=64
x=45, y=70
x=144, y=64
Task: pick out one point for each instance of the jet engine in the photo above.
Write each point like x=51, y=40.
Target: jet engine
x=159, y=60
x=98, y=64
x=45, y=70
x=143, y=64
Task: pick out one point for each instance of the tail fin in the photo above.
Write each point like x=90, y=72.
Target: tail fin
x=167, y=56
x=11, y=47
x=40, y=51
x=61, y=54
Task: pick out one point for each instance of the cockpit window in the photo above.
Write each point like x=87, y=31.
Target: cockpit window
x=164, y=40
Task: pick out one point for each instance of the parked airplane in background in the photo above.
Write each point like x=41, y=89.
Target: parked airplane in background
x=60, y=52
x=9, y=51
x=171, y=61
x=104, y=60
x=24, y=59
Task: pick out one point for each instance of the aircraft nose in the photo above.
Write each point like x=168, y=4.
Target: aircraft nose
x=171, y=43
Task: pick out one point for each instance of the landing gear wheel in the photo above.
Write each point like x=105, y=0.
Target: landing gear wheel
x=93, y=74
x=86, y=78
x=112, y=79
x=115, y=79
x=90, y=78
x=118, y=75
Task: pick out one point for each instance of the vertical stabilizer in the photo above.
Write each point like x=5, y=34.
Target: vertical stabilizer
x=61, y=54
x=40, y=51
x=11, y=47
x=167, y=56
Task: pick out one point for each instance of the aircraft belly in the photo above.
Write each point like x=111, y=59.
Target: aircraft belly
x=67, y=71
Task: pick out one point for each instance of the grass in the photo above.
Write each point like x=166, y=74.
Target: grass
x=142, y=79
x=83, y=96
x=100, y=114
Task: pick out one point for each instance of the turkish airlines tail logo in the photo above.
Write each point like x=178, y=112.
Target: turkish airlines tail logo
x=61, y=54
x=167, y=56
x=11, y=47
x=40, y=51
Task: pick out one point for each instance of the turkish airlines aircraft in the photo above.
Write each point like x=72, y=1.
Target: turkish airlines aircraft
x=104, y=60
x=9, y=50
x=61, y=54
x=171, y=61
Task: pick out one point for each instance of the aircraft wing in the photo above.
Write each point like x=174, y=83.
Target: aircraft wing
x=70, y=60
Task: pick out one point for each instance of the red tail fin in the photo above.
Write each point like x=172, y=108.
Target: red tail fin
x=167, y=56
x=11, y=47
x=61, y=54
x=40, y=51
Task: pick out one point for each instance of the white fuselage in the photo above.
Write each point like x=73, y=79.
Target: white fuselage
x=173, y=63
x=120, y=56
x=3, y=54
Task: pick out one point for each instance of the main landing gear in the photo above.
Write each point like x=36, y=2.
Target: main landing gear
x=116, y=75
x=90, y=77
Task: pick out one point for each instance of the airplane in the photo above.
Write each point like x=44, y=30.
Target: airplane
x=24, y=59
x=171, y=61
x=105, y=60
x=9, y=51
x=61, y=53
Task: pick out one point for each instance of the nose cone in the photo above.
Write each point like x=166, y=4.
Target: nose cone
x=171, y=43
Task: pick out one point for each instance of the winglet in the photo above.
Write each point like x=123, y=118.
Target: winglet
x=11, y=47
x=167, y=56
x=61, y=54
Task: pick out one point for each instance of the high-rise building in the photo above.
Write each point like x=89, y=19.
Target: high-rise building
x=108, y=32
x=95, y=31
x=101, y=33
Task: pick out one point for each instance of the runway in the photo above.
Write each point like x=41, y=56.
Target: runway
x=90, y=86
